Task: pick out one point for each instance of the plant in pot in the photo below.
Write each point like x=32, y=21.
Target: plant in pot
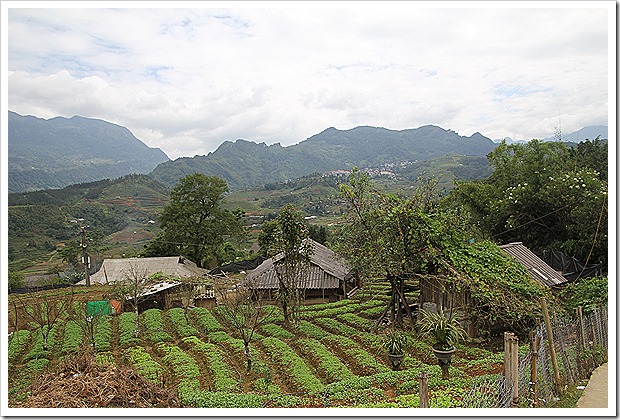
x=446, y=332
x=396, y=343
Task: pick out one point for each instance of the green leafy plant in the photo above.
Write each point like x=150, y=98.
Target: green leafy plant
x=446, y=331
x=395, y=341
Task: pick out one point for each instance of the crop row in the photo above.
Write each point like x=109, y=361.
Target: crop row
x=145, y=364
x=329, y=365
x=224, y=377
x=154, y=326
x=180, y=322
x=293, y=366
x=205, y=320
x=103, y=333
x=127, y=329
x=355, y=354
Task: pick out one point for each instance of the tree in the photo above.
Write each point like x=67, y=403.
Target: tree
x=544, y=195
x=243, y=312
x=45, y=311
x=395, y=238
x=194, y=224
x=16, y=280
x=290, y=239
x=132, y=289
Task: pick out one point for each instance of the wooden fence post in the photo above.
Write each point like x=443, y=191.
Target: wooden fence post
x=535, y=345
x=423, y=378
x=554, y=360
x=511, y=364
x=582, y=330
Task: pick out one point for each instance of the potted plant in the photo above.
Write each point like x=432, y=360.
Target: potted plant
x=395, y=343
x=446, y=332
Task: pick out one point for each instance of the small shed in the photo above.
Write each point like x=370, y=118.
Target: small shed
x=160, y=295
x=538, y=269
x=328, y=277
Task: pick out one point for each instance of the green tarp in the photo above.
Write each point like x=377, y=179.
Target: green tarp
x=99, y=308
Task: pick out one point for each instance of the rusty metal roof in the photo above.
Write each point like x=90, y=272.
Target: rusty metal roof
x=537, y=268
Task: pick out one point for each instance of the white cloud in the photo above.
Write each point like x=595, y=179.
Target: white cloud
x=186, y=80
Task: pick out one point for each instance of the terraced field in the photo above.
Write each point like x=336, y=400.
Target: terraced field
x=332, y=358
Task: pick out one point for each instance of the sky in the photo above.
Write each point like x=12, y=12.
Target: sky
x=186, y=79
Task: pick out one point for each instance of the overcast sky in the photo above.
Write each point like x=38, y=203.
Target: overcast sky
x=187, y=79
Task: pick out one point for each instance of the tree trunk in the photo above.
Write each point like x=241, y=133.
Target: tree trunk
x=246, y=352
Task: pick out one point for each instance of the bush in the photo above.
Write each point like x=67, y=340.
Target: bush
x=587, y=293
x=16, y=280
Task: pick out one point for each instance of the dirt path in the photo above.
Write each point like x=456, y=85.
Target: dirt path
x=595, y=394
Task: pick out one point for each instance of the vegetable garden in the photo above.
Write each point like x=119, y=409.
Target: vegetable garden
x=330, y=358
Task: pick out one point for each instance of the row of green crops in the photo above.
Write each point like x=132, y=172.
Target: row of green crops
x=293, y=366
x=179, y=321
x=185, y=369
x=224, y=377
x=355, y=354
x=328, y=365
x=145, y=364
x=73, y=339
x=205, y=320
x=311, y=330
x=103, y=333
x=154, y=326
x=127, y=329
x=18, y=343
x=276, y=331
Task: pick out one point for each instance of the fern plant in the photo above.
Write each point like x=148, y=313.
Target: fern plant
x=446, y=331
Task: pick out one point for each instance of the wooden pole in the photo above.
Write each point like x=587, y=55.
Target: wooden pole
x=511, y=364
x=581, y=328
x=423, y=378
x=535, y=346
x=554, y=360
x=515, y=370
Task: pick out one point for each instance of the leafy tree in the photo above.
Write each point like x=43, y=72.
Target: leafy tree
x=16, y=280
x=586, y=292
x=290, y=239
x=194, y=224
x=544, y=195
x=386, y=236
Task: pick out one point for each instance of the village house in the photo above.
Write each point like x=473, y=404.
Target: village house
x=328, y=278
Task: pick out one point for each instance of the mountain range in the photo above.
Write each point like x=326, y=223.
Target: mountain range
x=54, y=153
x=245, y=164
x=586, y=133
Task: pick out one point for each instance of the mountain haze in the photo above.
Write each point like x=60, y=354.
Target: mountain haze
x=244, y=164
x=60, y=151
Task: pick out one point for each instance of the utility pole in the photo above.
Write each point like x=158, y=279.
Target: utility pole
x=85, y=257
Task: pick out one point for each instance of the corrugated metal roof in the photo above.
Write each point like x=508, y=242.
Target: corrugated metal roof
x=326, y=271
x=117, y=269
x=539, y=270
